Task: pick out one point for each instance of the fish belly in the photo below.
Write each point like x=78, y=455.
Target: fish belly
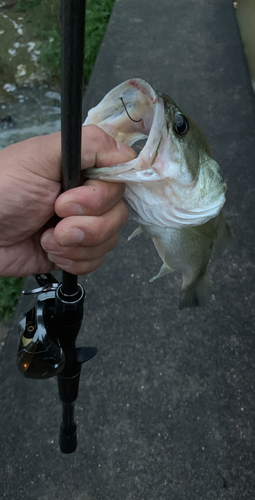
x=187, y=252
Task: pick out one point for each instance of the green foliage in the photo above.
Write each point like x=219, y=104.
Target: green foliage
x=46, y=28
x=97, y=16
x=25, y=5
x=44, y=18
x=9, y=294
x=50, y=50
x=50, y=53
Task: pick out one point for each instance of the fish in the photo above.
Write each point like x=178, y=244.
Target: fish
x=174, y=189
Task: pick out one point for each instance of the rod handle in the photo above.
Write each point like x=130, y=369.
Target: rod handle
x=68, y=434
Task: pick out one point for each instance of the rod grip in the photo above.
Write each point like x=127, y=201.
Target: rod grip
x=68, y=434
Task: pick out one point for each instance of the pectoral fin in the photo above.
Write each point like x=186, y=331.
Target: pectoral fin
x=162, y=272
x=136, y=232
x=208, y=230
x=224, y=236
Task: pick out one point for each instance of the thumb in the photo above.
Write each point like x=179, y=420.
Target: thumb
x=100, y=149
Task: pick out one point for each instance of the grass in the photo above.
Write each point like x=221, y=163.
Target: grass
x=97, y=16
x=43, y=17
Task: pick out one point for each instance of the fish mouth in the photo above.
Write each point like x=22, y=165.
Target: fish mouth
x=159, y=185
x=132, y=113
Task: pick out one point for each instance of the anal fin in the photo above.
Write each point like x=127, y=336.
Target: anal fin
x=162, y=272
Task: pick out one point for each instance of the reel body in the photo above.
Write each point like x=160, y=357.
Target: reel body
x=47, y=335
x=39, y=353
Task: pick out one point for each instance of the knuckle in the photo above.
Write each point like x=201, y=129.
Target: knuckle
x=95, y=135
x=123, y=210
x=113, y=242
x=95, y=233
x=94, y=204
x=88, y=267
x=103, y=196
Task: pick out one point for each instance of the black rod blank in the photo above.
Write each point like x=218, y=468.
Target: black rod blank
x=72, y=60
x=69, y=295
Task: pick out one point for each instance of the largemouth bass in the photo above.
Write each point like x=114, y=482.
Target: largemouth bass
x=174, y=189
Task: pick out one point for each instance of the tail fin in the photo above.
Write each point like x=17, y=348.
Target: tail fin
x=196, y=294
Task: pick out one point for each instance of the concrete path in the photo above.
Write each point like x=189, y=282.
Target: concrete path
x=166, y=410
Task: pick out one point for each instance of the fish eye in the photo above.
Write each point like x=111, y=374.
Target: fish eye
x=181, y=124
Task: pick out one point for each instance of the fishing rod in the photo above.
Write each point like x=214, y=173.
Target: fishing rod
x=49, y=328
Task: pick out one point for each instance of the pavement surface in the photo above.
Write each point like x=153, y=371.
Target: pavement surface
x=166, y=410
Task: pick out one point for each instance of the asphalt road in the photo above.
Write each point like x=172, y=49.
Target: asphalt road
x=166, y=409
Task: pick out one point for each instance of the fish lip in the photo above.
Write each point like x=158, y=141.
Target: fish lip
x=150, y=151
x=108, y=112
x=144, y=87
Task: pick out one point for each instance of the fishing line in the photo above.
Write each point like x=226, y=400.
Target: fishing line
x=136, y=121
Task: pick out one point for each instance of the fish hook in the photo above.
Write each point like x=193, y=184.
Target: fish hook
x=125, y=107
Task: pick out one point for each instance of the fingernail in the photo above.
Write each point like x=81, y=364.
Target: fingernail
x=46, y=238
x=72, y=237
x=60, y=262
x=126, y=150
x=71, y=208
x=49, y=245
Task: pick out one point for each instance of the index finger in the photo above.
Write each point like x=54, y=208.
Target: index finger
x=94, y=198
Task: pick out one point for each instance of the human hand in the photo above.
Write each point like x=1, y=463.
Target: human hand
x=92, y=214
